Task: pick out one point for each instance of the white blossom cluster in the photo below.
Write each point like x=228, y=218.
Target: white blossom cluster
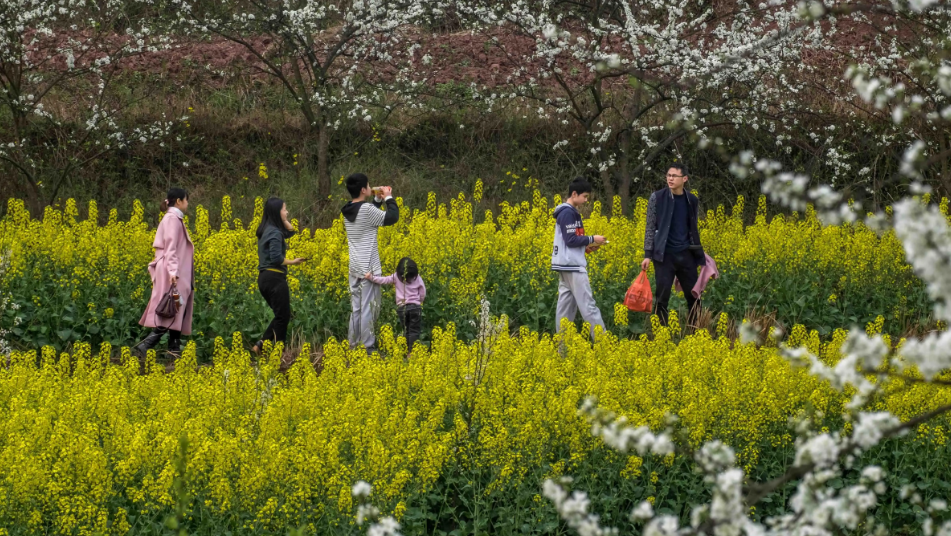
x=817, y=506
x=489, y=330
x=367, y=513
x=645, y=74
x=617, y=434
x=926, y=237
x=6, y=304
x=489, y=327
x=340, y=62
x=50, y=47
x=574, y=509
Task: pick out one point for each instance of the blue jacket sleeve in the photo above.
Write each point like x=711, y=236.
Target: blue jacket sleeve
x=566, y=218
x=275, y=248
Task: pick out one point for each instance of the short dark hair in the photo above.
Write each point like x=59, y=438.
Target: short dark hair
x=579, y=185
x=682, y=168
x=355, y=183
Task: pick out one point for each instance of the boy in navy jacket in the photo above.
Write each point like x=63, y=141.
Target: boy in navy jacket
x=568, y=259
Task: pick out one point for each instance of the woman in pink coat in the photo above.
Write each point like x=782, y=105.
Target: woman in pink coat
x=173, y=267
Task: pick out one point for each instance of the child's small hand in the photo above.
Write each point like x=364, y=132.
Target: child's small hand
x=367, y=275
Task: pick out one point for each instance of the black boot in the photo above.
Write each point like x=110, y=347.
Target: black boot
x=149, y=342
x=175, y=344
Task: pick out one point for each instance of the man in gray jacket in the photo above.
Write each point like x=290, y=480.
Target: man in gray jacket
x=568, y=259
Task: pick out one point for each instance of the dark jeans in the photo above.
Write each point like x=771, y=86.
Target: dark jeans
x=684, y=267
x=411, y=318
x=273, y=287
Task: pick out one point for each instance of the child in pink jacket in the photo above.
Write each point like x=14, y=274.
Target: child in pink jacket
x=410, y=293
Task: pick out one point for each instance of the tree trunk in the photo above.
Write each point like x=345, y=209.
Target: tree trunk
x=323, y=162
x=35, y=200
x=624, y=171
x=608, y=186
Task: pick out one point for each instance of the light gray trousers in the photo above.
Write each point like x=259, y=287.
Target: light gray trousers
x=365, y=299
x=574, y=295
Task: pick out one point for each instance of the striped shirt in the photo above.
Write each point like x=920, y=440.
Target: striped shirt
x=362, y=240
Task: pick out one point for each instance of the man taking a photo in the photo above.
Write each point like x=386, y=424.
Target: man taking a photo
x=361, y=220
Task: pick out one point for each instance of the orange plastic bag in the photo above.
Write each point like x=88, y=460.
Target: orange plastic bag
x=639, y=297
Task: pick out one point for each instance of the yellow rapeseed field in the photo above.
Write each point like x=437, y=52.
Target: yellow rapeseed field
x=88, y=445
x=79, y=280
x=93, y=447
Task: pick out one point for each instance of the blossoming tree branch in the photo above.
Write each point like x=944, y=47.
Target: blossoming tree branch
x=910, y=89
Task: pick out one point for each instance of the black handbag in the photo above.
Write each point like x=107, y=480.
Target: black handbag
x=168, y=306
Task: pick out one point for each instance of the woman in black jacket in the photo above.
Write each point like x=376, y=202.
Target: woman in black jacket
x=272, y=234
